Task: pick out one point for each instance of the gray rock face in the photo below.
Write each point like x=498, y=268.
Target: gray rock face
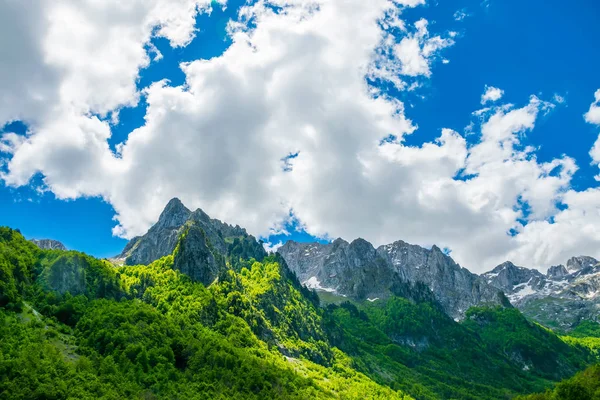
x=359, y=271
x=161, y=238
x=195, y=257
x=557, y=272
x=454, y=287
x=561, y=298
x=349, y=269
x=48, y=244
x=575, y=264
x=512, y=279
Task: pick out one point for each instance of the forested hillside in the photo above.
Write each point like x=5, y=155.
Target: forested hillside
x=583, y=386
x=75, y=327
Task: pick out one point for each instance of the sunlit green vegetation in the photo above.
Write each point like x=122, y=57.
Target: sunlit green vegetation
x=493, y=354
x=583, y=386
x=75, y=327
x=150, y=332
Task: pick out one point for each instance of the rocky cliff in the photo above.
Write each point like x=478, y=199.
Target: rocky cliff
x=454, y=287
x=561, y=298
x=162, y=237
x=48, y=244
x=360, y=271
x=196, y=257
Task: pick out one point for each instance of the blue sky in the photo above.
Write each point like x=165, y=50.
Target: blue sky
x=544, y=48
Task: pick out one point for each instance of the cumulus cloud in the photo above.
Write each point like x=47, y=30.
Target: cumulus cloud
x=593, y=117
x=416, y=51
x=593, y=114
x=491, y=94
x=292, y=83
x=272, y=247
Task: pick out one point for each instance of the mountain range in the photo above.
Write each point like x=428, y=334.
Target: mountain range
x=196, y=308
x=360, y=271
x=561, y=298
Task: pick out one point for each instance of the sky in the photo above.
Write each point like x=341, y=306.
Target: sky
x=472, y=125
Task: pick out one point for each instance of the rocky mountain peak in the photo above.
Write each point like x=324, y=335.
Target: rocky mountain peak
x=506, y=265
x=200, y=215
x=339, y=242
x=162, y=238
x=174, y=215
x=564, y=295
x=557, y=272
x=514, y=280
x=577, y=263
x=360, y=271
x=436, y=249
x=48, y=244
x=361, y=246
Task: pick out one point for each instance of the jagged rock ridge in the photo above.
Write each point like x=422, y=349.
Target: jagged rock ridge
x=203, y=243
x=562, y=297
x=360, y=271
x=162, y=237
x=48, y=244
x=195, y=258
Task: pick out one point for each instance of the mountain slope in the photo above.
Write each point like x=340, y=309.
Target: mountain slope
x=560, y=299
x=583, y=386
x=360, y=272
x=163, y=236
x=158, y=334
x=48, y=244
x=218, y=318
x=417, y=348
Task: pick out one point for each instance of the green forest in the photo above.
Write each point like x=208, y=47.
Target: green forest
x=76, y=327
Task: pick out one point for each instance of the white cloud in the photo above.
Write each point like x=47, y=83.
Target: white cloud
x=595, y=151
x=593, y=117
x=558, y=99
x=491, y=94
x=416, y=51
x=272, y=247
x=593, y=114
x=461, y=14
x=291, y=83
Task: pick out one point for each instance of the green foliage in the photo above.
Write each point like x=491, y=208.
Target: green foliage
x=586, y=329
x=17, y=260
x=508, y=332
x=150, y=332
x=74, y=327
x=78, y=273
x=583, y=386
x=416, y=348
x=591, y=344
x=244, y=248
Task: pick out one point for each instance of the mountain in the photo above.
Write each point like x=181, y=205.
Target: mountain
x=48, y=244
x=561, y=298
x=359, y=271
x=217, y=317
x=196, y=258
x=162, y=237
x=514, y=281
x=74, y=327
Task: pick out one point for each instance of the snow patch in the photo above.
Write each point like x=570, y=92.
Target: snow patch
x=372, y=300
x=491, y=275
x=313, y=283
x=524, y=289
